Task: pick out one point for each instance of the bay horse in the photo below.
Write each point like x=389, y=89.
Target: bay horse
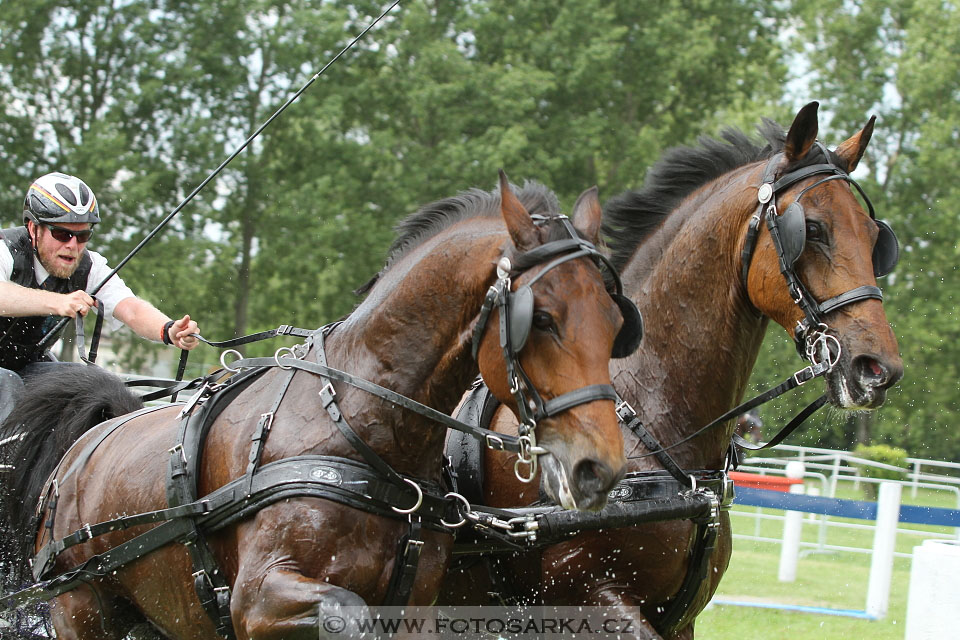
x=286, y=563
x=683, y=244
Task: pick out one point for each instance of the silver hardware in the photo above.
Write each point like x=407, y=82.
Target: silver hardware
x=463, y=521
x=178, y=448
x=493, y=442
x=419, y=498
x=194, y=400
x=223, y=362
x=765, y=192
x=276, y=356
x=504, y=267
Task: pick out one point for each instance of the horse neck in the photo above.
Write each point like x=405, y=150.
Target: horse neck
x=412, y=335
x=703, y=335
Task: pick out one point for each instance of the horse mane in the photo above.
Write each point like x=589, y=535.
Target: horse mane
x=433, y=218
x=54, y=409
x=631, y=217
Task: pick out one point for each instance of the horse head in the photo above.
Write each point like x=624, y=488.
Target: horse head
x=562, y=329
x=831, y=251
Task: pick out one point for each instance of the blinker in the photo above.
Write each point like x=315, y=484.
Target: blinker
x=521, y=322
x=793, y=232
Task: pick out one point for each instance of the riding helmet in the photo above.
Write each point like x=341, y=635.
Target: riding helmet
x=57, y=197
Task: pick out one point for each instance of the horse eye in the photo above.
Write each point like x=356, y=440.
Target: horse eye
x=543, y=321
x=814, y=231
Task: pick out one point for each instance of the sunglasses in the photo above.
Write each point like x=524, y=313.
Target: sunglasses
x=62, y=234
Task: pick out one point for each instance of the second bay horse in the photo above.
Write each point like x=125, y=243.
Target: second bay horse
x=698, y=253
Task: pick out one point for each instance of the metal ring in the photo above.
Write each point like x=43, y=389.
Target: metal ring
x=225, y=365
x=419, y=498
x=533, y=469
x=462, y=522
x=276, y=356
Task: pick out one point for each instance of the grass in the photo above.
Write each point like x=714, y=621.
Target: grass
x=835, y=580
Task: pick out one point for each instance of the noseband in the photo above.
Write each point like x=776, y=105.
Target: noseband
x=516, y=317
x=788, y=234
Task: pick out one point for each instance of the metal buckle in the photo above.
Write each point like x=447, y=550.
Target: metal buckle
x=493, y=442
x=805, y=380
x=178, y=447
x=625, y=412
x=728, y=492
x=328, y=394
x=87, y=531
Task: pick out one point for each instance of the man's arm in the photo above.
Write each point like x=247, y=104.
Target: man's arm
x=148, y=322
x=19, y=302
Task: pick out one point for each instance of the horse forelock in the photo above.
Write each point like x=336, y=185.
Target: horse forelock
x=433, y=218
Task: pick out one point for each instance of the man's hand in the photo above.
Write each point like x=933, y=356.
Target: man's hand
x=69, y=305
x=180, y=331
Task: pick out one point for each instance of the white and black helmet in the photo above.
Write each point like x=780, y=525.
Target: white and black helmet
x=57, y=197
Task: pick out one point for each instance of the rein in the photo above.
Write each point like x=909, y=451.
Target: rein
x=51, y=336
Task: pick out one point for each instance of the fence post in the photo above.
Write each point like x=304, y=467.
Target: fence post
x=884, y=542
x=792, y=528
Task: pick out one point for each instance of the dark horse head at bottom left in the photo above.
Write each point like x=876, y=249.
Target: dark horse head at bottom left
x=316, y=485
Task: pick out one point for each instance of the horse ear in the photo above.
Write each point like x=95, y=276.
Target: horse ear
x=803, y=132
x=519, y=223
x=587, y=214
x=852, y=150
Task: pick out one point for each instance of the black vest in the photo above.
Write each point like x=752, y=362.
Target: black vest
x=19, y=336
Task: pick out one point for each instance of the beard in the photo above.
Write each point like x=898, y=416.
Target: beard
x=57, y=266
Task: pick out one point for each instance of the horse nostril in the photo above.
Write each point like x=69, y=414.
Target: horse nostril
x=873, y=372
x=591, y=477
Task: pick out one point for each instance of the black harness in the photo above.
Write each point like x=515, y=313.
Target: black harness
x=675, y=493
x=372, y=486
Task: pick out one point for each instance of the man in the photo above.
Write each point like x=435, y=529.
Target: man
x=46, y=271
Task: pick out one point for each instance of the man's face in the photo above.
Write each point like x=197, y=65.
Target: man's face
x=59, y=258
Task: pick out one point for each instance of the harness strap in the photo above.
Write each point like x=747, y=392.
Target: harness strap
x=497, y=440
x=405, y=567
x=259, y=439
x=94, y=339
x=808, y=411
x=575, y=398
x=632, y=421
x=328, y=397
x=864, y=292
x=801, y=377
x=694, y=582
x=327, y=477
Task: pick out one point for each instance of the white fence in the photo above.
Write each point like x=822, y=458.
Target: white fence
x=823, y=470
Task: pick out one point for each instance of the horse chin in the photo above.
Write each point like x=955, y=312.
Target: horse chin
x=554, y=481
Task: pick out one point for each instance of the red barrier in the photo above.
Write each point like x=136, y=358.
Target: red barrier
x=757, y=481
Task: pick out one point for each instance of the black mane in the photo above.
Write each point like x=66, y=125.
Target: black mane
x=433, y=218
x=631, y=217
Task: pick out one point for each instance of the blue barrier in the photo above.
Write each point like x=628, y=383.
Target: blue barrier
x=859, y=509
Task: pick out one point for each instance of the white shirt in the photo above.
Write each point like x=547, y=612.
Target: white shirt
x=110, y=294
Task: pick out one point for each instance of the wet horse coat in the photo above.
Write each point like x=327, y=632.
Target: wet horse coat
x=679, y=243
x=296, y=560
